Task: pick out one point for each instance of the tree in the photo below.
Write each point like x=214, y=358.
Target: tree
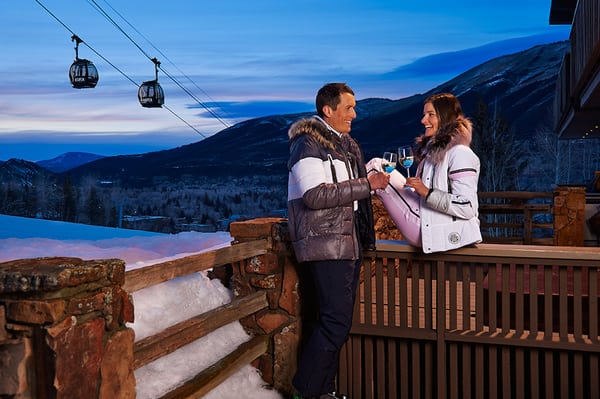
x=69, y=202
x=502, y=156
x=95, y=208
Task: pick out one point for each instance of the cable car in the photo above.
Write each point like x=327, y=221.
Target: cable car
x=150, y=93
x=82, y=74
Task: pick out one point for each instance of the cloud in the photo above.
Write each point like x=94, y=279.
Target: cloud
x=253, y=109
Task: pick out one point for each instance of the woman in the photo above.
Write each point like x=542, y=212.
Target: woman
x=438, y=209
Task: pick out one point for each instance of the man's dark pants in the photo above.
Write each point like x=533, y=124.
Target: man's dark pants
x=335, y=283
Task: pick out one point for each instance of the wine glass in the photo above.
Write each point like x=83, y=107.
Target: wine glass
x=406, y=158
x=388, y=162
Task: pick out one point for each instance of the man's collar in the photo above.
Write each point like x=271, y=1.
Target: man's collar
x=328, y=126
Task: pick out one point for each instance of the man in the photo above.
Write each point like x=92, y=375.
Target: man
x=330, y=222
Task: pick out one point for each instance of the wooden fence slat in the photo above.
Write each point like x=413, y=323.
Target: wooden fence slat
x=549, y=375
x=382, y=357
x=392, y=370
x=416, y=370
x=137, y=279
x=415, y=300
x=391, y=293
x=492, y=392
x=369, y=366
x=379, y=291
x=178, y=335
x=214, y=375
x=368, y=296
x=403, y=288
x=505, y=371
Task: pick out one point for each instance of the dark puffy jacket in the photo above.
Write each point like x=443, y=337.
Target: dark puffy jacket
x=327, y=191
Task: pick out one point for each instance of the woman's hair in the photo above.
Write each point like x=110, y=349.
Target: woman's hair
x=451, y=122
x=447, y=107
x=330, y=95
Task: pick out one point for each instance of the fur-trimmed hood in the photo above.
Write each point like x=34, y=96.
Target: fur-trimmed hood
x=313, y=127
x=435, y=147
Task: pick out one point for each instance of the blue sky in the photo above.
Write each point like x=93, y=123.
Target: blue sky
x=241, y=59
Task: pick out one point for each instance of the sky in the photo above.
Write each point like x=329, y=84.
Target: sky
x=156, y=307
x=228, y=61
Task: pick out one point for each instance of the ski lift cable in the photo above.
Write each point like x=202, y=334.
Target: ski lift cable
x=95, y=5
x=110, y=63
x=206, y=107
x=112, y=21
x=184, y=121
x=164, y=56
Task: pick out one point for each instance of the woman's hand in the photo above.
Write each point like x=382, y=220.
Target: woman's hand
x=417, y=184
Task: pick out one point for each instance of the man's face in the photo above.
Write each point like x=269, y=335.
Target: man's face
x=341, y=118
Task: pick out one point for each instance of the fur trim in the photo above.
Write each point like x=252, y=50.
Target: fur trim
x=314, y=128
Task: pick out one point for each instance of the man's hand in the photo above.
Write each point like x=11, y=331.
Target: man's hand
x=378, y=180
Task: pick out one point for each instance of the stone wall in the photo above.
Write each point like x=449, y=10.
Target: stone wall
x=62, y=330
x=276, y=273
x=569, y=215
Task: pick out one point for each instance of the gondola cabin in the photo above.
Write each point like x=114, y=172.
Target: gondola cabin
x=151, y=95
x=83, y=74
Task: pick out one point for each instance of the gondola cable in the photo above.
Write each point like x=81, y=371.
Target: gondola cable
x=95, y=5
x=164, y=56
x=111, y=64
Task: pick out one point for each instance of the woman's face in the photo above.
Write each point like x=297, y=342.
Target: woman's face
x=430, y=119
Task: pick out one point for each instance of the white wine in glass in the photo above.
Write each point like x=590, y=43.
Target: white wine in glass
x=406, y=158
x=388, y=162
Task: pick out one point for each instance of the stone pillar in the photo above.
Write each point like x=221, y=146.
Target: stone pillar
x=62, y=330
x=276, y=273
x=569, y=215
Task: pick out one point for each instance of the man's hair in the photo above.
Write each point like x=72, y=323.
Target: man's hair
x=330, y=95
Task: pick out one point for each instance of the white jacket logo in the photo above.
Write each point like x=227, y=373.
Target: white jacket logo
x=454, y=238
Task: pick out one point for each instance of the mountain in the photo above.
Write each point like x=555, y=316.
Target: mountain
x=23, y=173
x=520, y=87
x=67, y=161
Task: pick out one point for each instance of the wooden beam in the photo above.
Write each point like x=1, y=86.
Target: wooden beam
x=214, y=375
x=137, y=279
x=178, y=335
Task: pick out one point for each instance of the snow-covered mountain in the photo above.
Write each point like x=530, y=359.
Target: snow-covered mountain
x=68, y=160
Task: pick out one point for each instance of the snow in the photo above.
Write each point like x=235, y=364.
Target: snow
x=154, y=306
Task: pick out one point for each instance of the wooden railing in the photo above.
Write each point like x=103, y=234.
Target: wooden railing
x=183, y=333
x=492, y=321
x=517, y=217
